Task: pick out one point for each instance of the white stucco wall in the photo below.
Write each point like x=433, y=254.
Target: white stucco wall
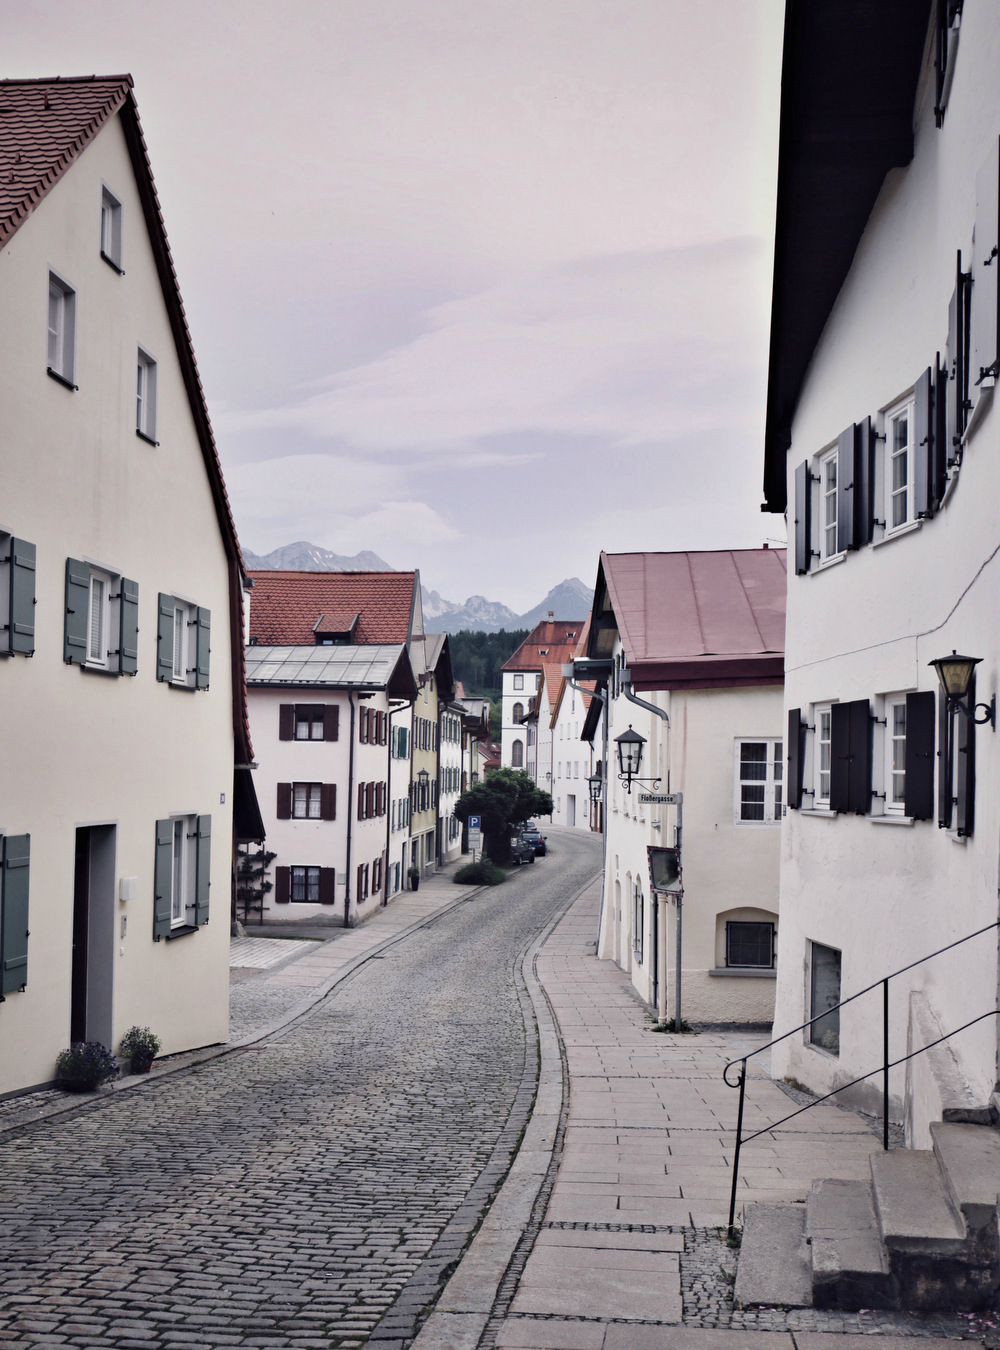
x=450, y=758
x=509, y=730
x=81, y=748
x=568, y=750
x=885, y=895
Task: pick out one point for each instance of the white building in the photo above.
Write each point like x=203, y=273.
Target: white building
x=551, y=641
x=572, y=755
x=325, y=775
x=699, y=637
x=121, y=577
x=882, y=438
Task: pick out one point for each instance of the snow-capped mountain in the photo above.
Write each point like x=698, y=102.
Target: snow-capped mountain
x=303, y=557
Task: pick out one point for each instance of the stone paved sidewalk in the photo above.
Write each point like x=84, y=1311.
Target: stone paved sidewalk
x=626, y=1248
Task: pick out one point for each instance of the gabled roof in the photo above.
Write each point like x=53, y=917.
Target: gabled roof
x=285, y=606
x=380, y=666
x=849, y=78
x=694, y=620
x=552, y=640
x=581, y=650
x=45, y=125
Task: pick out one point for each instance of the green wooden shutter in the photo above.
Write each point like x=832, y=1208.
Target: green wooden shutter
x=14, y=913
x=162, y=869
x=77, y=607
x=164, y=637
x=22, y=597
x=128, y=636
x=204, y=636
x=203, y=871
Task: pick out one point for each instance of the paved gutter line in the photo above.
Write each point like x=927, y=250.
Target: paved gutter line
x=187, y=1060
x=480, y=1287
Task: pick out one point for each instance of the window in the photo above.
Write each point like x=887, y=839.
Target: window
x=895, y=755
x=824, y=995
x=305, y=886
x=306, y=801
x=145, y=397
x=750, y=944
x=61, y=331
x=308, y=726
x=518, y=681
x=15, y=858
x=517, y=713
x=400, y=742
x=182, y=643
x=17, y=596
x=181, y=875
x=828, y=505
x=638, y=922
x=899, y=463
x=308, y=722
x=824, y=730
x=759, y=773
x=517, y=755
x=111, y=230
x=101, y=630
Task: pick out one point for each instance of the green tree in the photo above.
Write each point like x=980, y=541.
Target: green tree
x=504, y=801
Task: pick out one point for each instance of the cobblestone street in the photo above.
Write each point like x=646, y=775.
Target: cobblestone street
x=288, y=1193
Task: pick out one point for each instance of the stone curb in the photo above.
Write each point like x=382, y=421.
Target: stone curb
x=465, y=1306
x=191, y=1059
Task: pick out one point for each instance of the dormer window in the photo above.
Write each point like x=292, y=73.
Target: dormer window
x=335, y=630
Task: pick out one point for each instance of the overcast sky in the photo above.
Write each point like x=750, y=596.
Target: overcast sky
x=481, y=285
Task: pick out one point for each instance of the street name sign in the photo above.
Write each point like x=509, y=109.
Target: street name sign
x=659, y=798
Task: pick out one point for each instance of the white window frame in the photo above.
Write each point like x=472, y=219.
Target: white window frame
x=103, y=609
x=827, y=470
x=183, y=864
x=111, y=229
x=892, y=497
x=518, y=682
x=772, y=782
x=823, y=726
x=310, y=797
x=145, y=396
x=61, y=330
x=894, y=775
x=185, y=619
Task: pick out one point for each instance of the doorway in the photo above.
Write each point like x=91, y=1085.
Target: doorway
x=570, y=810
x=92, y=979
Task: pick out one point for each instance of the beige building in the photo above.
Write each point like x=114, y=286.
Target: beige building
x=121, y=579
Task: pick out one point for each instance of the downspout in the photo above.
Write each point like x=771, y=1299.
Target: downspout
x=350, y=817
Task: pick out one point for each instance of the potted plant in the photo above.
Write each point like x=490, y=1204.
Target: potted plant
x=139, y=1046
x=85, y=1066
x=414, y=875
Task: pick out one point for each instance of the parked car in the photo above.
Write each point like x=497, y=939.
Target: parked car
x=520, y=851
x=533, y=836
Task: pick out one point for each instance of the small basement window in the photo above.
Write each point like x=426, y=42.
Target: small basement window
x=824, y=996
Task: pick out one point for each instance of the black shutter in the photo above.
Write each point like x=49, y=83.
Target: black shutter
x=986, y=271
x=939, y=449
x=77, y=607
x=284, y=811
x=860, y=762
x=282, y=885
x=848, y=517
x=164, y=637
x=331, y=722
x=803, y=518
x=957, y=401
x=327, y=885
x=128, y=634
x=22, y=597
x=840, y=757
x=286, y=721
x=202, y=870
x=965, y=767
x=328, y=801
x=15, y=855
x=945, y=752
x=204, y=647
x=923, y=445
x=864, y=492
x=919, y=787
x=162, y=871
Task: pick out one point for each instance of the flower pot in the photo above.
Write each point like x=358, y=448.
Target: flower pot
x=141, y=1063
x=77, y=1085
x=414, y=883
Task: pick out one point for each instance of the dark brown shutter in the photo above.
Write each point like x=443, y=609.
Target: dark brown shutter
x=923, y=445
x=328, y=885
x=286, y=722
x=361, y=801
x=284, y=801
x=860, y=762
x=945, y=752
x=796, y=756
x=847, y=477
x=864, y=493
x=282, y=885
x=331, y=722
x=840, y=757
x=328, y=801
x=803, y=518
x=370, y=800
x=965, y=766
x=361, y=882
x=919, y=788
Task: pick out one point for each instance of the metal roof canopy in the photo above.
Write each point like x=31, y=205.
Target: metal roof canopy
x=378, y=666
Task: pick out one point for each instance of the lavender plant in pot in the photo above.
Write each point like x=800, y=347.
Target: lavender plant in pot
x=139, y=1046
x=85, y=1066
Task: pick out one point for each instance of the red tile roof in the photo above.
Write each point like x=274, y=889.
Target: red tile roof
x=45, y=125
x=285, y=606
x=699, y=618
x=557, y=637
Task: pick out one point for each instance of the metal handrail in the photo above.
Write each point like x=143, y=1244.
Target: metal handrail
x=884, y=1067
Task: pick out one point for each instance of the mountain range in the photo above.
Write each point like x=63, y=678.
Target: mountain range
x=570, y=599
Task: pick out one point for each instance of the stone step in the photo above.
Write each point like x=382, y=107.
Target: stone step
x=914, y=1211
x=969, y=1159
x=774, y=1265
x=850, y=1265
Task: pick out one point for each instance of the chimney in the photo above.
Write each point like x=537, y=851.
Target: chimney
x=552, y=615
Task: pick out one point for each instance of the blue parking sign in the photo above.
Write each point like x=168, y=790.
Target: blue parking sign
x=474, y=822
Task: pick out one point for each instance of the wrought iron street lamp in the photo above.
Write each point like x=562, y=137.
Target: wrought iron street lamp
x=956, y=673
x=630, y=745
x=596, y=784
